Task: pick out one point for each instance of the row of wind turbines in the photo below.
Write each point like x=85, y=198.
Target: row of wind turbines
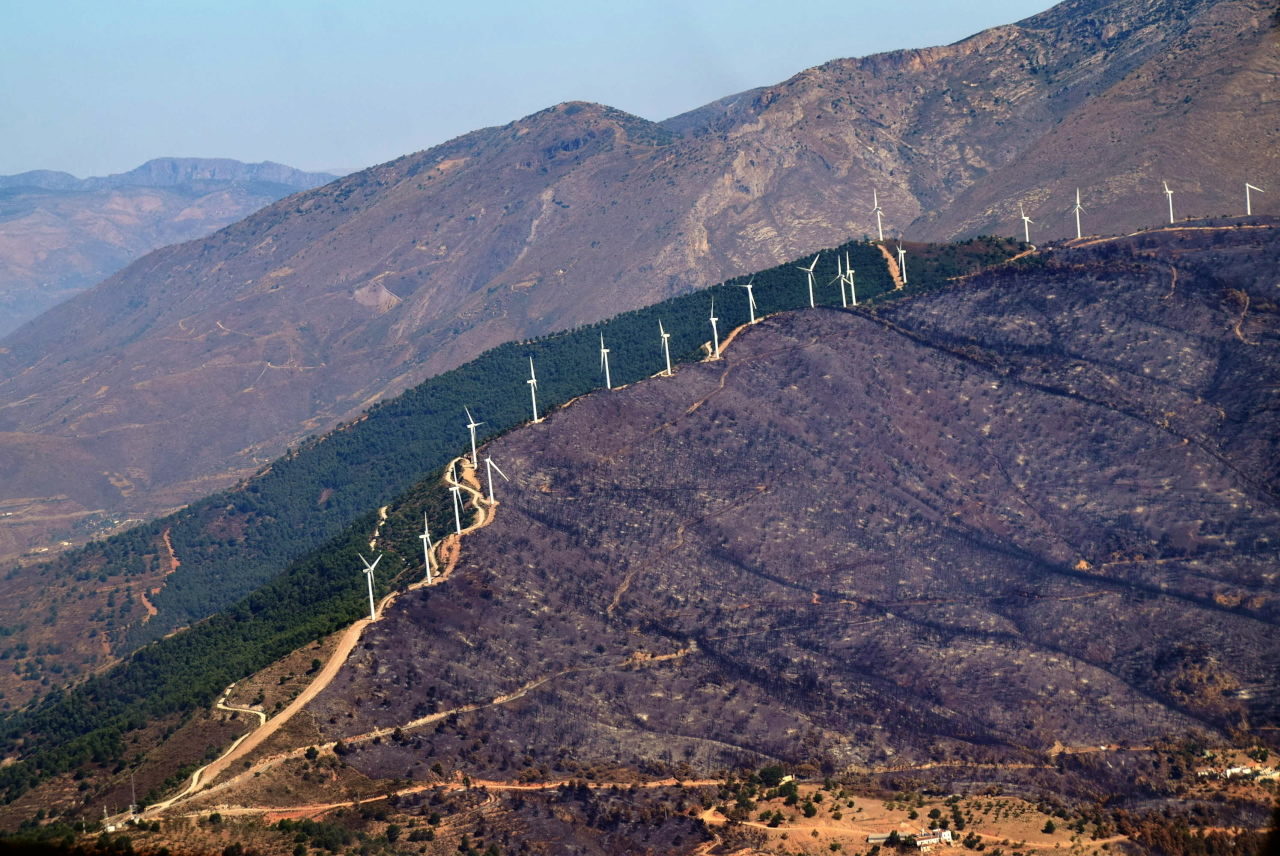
x=1027, y=222
x=845, y=275
x=455, y=491
x=848, y=297
x=1078, y=209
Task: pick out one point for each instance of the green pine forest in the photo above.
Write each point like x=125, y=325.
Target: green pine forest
x=288, y=573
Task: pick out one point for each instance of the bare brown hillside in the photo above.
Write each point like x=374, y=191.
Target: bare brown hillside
x=1034, y=511
x=201, y=362
x=1014, y=536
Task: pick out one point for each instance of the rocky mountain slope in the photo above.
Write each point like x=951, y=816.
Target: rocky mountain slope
x=60, y=234
x=199, y=363
x=1014, y=533
x=1037, y=509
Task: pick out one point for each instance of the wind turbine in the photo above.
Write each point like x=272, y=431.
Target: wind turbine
x=1077, y=211
x=902, y=264
x=809, y=272
x=840, y=277
x=1248, y=202
x=877, y=210
x=426, y=546
x=533, y=389
x=848, y=271
x=666, y=346
x=472, y=425
x=456, y=490
x=751, y=299
x=715, y=333
x=604, y=363
x=368, y=575
x=1169, y=193
x=489, y=467
x=1026, y=224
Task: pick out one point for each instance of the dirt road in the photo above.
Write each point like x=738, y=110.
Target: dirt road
x=247, y=743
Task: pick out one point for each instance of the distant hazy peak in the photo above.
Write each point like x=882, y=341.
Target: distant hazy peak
x=170, y=172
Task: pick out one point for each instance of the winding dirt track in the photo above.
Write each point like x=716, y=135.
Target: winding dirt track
x=346, y=644
x=314, y=809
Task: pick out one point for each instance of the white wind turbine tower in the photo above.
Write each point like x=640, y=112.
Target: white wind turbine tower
x=368, y=575
x=751, y=298
x=839, y=277
x=456, y=490
x=1169, y=193
x=877, y=210
x=472, y=425
x=1077, y=211
x=604, y=363
x=533, y=389
x=715, y=333
x=426, y=546
x=902, y=264
x=809, y=272
x=1248, y=201
x=848, y=271
x=489, y=468
x=1026, y=224
x=666, y=347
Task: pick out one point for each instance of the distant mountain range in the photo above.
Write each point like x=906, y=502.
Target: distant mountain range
x=60, y=234
x=172, y=172
x=201, y=362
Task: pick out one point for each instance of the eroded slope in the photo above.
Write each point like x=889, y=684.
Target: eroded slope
x=1033, y=510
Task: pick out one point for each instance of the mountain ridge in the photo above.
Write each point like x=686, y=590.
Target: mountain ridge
x=169, y=172
x=60, y=234
x=573, y=213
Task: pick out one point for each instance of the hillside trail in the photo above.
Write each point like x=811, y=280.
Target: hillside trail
x=1080, y=243
x=350, y=637
x=311, y=810
x=170, y=563
x=893, y=267
x=634, y=660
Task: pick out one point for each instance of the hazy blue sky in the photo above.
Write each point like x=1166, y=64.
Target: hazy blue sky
x=99, y=86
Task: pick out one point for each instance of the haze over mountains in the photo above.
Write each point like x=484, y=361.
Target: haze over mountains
x=201, y=362
x=60, y=234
